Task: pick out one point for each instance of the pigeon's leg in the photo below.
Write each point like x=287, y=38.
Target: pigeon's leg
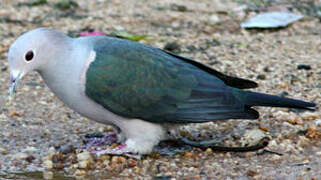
x=118, y=150
x=100, y=144
x=142, y=136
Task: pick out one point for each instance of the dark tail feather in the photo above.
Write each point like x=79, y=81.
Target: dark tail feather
x=259, y=99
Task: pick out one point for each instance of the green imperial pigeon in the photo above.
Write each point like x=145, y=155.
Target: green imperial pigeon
x=144, y=91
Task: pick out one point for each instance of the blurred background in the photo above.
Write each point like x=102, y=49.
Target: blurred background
x=40, y=138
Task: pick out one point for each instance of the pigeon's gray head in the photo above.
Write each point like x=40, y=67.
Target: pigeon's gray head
x=31, y=51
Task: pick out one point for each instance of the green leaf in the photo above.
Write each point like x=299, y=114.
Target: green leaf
x=33, y=3
x=65, y=4
x=38, y=2
x=130, y=36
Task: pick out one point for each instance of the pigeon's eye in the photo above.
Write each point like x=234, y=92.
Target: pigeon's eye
x=29, y=56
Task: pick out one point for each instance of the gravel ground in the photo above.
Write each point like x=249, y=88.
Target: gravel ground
x=40, y=138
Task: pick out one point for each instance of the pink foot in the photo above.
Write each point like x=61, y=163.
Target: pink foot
x=119, y=150
x=108, y=139
x=99, y=145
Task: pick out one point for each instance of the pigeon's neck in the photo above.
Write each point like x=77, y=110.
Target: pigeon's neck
x=56, y=54
x=62, y=72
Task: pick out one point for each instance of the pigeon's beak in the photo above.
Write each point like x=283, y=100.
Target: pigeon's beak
x=14, y=79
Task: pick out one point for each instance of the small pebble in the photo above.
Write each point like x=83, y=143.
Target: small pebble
x=285, y=116
x=58, y=157
x=303, y=141
x=308, y=116
x=122, y=159
x=67, y=149
x=47, y=164
x=3, y=151
x=313, y=133
x=20, y=156
x=173, y=47
x=177, y=7
x=13, y=112
x=47, y=175
x=103, y=158
x=59, y=166
x=83, y=156
x=283, y=94
x=273, y=144
x=30, y=158
x=275, y=157
x=80, y=172
x=263, y=128
x=294, y=120
x=267, y=69
x=137, y=170
x=118, y=159
x=106, y=162
x=48, y=157
x=214, y=19
x=208, y=151
x=251, y=172
x=51, y=151
x=304, y=67
x=252, y=137
x=261, y=76
x=30, y=149
x=318, y=122
x=131, y=163
x=83, y=164
x=189, y=154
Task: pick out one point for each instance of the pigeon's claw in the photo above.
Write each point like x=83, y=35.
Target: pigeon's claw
x=100, y=140
x=100, y=144
x=121, y=149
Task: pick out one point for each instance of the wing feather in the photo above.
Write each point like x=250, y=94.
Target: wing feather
x=138, y=81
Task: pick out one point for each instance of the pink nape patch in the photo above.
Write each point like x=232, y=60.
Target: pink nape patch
x=94, y=33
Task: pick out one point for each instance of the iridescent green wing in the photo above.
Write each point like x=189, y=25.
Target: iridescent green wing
x=138, y=81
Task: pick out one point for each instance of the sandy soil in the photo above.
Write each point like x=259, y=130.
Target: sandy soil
x=39, y=135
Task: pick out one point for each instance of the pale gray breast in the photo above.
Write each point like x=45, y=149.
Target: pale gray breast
x=67, y=78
